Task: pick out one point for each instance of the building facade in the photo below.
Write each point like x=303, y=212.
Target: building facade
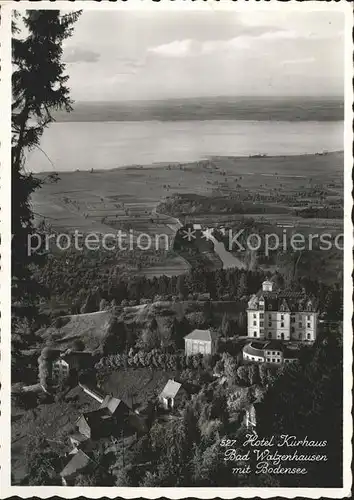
x=272, y=352
x=280, y=315
x=201, y=342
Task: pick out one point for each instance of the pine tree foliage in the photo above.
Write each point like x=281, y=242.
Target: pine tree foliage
x=39, y=87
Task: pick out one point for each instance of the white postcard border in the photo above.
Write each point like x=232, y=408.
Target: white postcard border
x=6, y=490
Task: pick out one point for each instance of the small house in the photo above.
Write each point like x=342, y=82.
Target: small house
x=172, y=394
x=201, y=342
x=116, y=407
x=109, y=419
x=69, y=363
x=75, y=466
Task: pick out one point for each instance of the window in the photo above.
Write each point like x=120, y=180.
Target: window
x=300, y=325
x=282, y=324
x=308, y=325
x=261, y=323
x=308, y=336
x=292, y=329
x=270, y=307
x=308, y=317
x=261, y=315
x=255, y=334
x=254, y=323
x=282, y=316
x=293, y=319
x=255, y=315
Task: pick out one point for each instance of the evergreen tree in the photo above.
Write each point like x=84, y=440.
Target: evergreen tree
x=38, y=88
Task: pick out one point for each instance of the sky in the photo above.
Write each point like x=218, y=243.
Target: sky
x=131, y=55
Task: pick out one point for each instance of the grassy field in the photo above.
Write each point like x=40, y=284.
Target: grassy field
x=126, y=198
x=114, y=199
x=136, y=385
x=89, y=328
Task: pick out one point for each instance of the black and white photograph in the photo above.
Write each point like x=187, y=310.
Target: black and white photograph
x=180, y=235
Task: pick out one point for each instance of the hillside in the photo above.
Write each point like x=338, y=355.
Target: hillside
x=90, y=328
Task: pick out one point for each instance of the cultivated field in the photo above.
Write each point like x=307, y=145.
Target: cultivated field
x=125, y=199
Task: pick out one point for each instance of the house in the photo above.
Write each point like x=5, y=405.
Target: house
x=282, y=315
x=116, y=407
x=109, y=419
x=201, y=342
x=68, y=363
x=77, y=463
x=273, y=352
x=95, y=424
x=172, y=394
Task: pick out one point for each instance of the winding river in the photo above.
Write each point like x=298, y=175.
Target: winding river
x=228, y=260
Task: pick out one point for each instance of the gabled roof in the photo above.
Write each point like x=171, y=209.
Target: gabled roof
x=111, y=403
x=95, y=417
x=206, y=335
x=170, y=390
x=78, y=462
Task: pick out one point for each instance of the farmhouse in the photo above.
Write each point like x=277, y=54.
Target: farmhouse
x=281, y=315
x=201, y=342
x=172, y=394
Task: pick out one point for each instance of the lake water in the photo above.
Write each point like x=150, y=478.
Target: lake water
x=105, y=145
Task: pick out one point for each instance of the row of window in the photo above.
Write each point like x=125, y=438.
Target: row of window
x=292, y=318
x=255, y=334
x=282, y=325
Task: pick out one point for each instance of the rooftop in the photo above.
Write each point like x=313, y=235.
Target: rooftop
x=78, y=462
x=206, y=335
x=170, y=390
x=275, y=345
x=111, y=403
x=254, y=349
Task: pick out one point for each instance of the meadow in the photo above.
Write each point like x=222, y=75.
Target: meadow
x=130, y=199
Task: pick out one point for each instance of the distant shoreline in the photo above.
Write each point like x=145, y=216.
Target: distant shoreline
x=291, y=109
x=190, y=163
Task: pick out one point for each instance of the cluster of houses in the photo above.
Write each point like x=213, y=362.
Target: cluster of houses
x=113, y=418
